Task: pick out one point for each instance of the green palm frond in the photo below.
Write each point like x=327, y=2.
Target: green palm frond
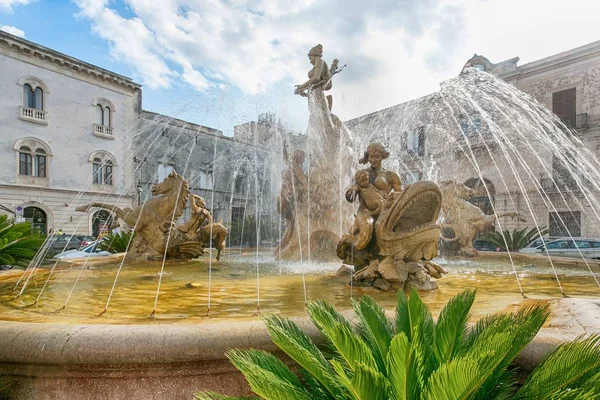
x=338, y=331
x=415, y=320
x=216, y=396
x=374, y=328
x=117, y=242
x=564, y=368
x=267, y=361
x=455, y=380
x=402, y=367
x=451, y=326
x=18, y=244
x=421, y=360
x=295, y=343
x=369, y=384
x=515, y=240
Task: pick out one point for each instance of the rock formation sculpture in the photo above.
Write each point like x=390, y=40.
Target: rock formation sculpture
x=307, y=199
x=155, y=223
x=464, y=219
x=394, y=234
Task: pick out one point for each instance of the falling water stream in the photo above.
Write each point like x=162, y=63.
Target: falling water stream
x=477, y=126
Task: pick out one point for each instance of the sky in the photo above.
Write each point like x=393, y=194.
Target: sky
x=221, y=63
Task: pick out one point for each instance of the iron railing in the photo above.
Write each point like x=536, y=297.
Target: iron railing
x=577, y=121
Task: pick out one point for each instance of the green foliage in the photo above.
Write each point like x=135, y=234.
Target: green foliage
x=415, y=358
x=515, y=240
x=117, y=242
x=18, y=244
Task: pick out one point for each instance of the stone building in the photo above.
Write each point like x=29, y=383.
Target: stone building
x=66, y=137
x=233, y=176
x=480, y=132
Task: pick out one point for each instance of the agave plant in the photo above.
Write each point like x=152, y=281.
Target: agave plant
x=414, y=357
x=18, y=244
x=117, y=242
x=515, y=240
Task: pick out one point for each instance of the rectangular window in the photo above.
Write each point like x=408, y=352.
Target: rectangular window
x=97, y=170
x=40, y=166
x=108, y=174
x=564, y=105
x=239, y=186
x=237, y=214
x=164, y=171
x=566, y=223
x=415, y=141
x=25, y=167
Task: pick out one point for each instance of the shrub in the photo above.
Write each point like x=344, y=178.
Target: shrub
x=414, y=357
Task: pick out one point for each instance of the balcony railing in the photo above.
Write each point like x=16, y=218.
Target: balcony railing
x=578, y=121
x=33, y=115
x=104, y=131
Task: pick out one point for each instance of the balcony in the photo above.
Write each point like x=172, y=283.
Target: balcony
x=33, y=115
x=578, y=121
x=107, y=132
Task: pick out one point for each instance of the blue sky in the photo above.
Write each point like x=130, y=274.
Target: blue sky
x=222, y=62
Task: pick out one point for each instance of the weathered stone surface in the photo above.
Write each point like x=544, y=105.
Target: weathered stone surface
x=389, y=271
x=344, y=270
x=368, y=273
x=412, y=267
x=382, y=284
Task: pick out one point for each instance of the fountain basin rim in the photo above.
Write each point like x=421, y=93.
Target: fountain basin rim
x=57, y=343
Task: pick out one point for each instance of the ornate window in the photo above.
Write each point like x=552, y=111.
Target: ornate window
x=104, y=113
x=103, y=164
x=32, y=158
x=35, y=92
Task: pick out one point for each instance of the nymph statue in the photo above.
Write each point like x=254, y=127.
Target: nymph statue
x=313, y=227
x=394, y=235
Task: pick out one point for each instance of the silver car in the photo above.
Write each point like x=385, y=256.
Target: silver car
x=569, y=247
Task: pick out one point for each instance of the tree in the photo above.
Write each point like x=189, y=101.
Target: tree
x=515, y=240
x=18, y=244
x=415, y=358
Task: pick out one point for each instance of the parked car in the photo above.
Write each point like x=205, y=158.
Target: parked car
x=482, y=245
x=60, y=243
x=90, y=250
x=569, y=247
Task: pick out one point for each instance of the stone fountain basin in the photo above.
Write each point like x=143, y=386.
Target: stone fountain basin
x=158, y=361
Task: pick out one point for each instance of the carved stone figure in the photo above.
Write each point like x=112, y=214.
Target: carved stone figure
x=464, y=218
x=312, y=229
x=394, y=234
x=155, y=223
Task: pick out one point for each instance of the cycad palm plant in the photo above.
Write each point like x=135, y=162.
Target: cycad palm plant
x=117, y=242
x=415, y=358
x=515, y=240
x=18, y=244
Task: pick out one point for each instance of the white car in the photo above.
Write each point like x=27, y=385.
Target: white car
x=567, y=247
x=90, y=250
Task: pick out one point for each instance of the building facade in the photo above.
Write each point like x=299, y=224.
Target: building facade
x=505, y=144
x=66, y=131
x=234, y=176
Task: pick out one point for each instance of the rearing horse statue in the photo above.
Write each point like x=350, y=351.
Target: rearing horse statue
x=154, y=223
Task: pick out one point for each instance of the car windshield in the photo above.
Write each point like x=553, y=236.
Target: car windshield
x=91, y=248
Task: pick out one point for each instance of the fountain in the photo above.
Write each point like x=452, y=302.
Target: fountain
x=157, y=322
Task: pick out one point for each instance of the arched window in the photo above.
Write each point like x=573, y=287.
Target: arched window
x=32, y=157
x=33, y=97
x=103, y=115
x=103, y=164
x=25, y=161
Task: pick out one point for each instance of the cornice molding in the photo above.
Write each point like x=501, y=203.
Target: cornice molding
x=34, y=50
